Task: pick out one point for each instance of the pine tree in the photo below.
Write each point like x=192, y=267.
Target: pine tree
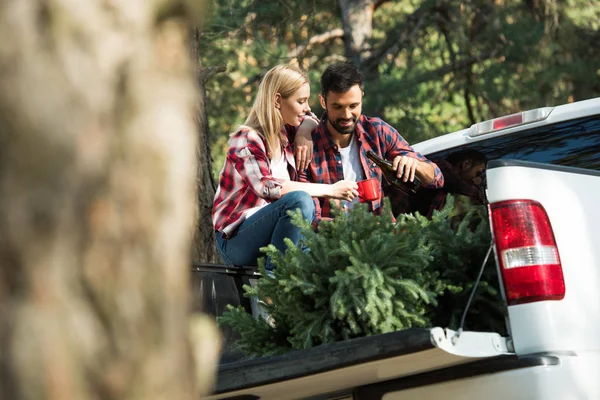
x=458, y=253
x=364, y=275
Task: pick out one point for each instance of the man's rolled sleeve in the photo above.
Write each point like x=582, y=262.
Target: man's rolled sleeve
x=438, y=177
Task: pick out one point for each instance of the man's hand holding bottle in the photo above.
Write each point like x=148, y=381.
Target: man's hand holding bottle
x=405, y=167
x=393, y=171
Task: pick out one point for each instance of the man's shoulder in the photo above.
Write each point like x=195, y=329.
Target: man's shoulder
x=375, y=122
x=375, y=126
x=372, y=120
x=320, y=137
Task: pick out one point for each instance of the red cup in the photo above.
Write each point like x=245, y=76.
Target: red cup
x=368, y=190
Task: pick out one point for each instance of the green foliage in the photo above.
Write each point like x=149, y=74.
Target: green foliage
x=458, y=253
x=366, y=275
x=443, y=65
x=256, y=336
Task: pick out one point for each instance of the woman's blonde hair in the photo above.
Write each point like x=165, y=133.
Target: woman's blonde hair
x=284, y=79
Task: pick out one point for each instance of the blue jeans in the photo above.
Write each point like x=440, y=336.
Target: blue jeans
x=269, y=225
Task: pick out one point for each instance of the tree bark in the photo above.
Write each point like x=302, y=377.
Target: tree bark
x=204, y=246
x=299, y=51
x=357, y=22
x=97, y=201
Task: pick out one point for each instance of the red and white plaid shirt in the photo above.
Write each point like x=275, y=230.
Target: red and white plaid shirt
x=246, y=179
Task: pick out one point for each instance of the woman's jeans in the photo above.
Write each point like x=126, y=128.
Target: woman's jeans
x=269, y=225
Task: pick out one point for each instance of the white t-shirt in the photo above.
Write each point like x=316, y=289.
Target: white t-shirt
x=279, y=170
x=351, y=165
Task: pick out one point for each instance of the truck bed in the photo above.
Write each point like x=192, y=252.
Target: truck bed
x=369, y=367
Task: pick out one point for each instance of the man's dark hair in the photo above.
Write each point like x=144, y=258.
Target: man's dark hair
x=459, y=157
x=339, y=78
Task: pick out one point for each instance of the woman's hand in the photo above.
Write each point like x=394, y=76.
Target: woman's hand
x=303, y=149
x=344, y=190
x=303, y=143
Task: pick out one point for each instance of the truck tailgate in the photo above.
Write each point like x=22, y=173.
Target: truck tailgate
x=570, y=197
x=340, y=367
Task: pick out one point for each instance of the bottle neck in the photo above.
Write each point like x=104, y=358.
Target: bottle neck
x=378, y=160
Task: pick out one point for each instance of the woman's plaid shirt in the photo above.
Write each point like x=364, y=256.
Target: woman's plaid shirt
x=371, y=134
x=246, y=181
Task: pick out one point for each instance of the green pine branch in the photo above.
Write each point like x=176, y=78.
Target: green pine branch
x=366, y=275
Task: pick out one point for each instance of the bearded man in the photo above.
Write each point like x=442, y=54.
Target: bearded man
x=344, y=135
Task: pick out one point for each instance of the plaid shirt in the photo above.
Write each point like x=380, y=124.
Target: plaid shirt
x=371, y=134
x=428, y=200
x=246, y=181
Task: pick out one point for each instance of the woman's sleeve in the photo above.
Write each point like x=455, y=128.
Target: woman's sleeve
x=248, y=154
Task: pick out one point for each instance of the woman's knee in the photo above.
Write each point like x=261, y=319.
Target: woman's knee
x=302, y=201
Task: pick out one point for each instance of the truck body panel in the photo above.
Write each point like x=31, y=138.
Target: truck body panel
x=570, y=197
x=548, y=377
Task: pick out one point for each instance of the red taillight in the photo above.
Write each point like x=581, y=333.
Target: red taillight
x=509, y=120
x=527, y=252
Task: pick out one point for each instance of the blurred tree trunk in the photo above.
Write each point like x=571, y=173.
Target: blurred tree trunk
x=97, y=200
x=357, y=22
x=204, y=246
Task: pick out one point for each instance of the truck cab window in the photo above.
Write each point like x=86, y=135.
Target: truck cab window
x=574, y=143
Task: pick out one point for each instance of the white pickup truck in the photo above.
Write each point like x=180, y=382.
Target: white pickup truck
x=543, y=190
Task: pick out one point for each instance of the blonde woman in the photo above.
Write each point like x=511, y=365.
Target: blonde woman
x=257, y=185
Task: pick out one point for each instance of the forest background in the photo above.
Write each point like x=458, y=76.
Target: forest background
x=431, y=66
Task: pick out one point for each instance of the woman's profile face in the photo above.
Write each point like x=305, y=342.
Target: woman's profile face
x=295, y=107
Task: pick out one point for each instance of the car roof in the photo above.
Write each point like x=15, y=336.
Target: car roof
x=560, y=113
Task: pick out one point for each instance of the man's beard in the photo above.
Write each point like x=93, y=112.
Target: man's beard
x=343, y=129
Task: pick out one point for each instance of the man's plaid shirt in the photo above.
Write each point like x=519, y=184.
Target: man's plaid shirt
x=371, y=134
x=246, y=181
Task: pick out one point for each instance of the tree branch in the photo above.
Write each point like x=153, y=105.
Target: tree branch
x=209, y=72
x=317, y=39
x=467, y=97
x=378, y=3
x=458, y=66
x=335, y=58
x=399, y=36
x=399, y=47
x=442, y=25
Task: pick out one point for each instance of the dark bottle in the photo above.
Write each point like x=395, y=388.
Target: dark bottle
x=390, y=175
